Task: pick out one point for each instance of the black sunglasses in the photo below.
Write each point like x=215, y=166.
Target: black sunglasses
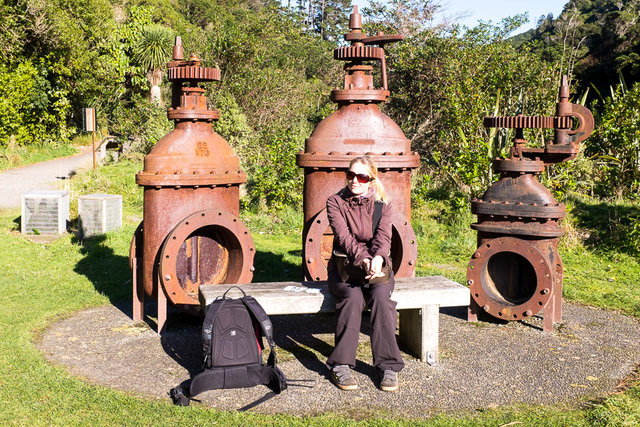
x=362, y=178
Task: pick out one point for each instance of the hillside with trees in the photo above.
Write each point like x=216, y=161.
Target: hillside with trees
x=59, y=56
x=596, y=41
x=277, y=71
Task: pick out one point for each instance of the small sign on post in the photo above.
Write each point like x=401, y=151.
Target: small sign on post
x=89, y=125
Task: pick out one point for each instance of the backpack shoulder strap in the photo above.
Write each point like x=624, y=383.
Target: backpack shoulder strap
x=377, y=215
x=207, y=327
x=265, y=325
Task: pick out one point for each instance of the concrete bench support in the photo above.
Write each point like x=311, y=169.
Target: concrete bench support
x=418, y=301
x=419, y=332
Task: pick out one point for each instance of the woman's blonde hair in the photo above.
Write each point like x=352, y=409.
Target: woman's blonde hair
x=372, y=171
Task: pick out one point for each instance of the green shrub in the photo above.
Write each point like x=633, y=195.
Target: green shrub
x=232, y=125
x=32, y=109
x=140, y=121
x=615, y=144
x=274, y=178
x=444, y=83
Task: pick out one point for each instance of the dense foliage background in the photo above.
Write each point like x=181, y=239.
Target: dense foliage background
x=58, y=56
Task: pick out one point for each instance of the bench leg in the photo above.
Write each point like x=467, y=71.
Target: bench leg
x=419, y=332
x=557, y=317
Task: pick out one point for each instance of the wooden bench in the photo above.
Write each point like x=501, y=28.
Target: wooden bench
x=418, y=299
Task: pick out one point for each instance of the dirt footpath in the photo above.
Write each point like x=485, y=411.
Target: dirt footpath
x=39, y=176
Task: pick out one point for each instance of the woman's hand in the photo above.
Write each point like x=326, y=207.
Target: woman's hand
x=366, y=265
x=375, y=267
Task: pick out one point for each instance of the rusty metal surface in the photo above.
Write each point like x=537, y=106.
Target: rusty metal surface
x=206, y=247
x=529, y=122
x=516, y=271
x=357, y=128
x=191, y=233
x=510, y=278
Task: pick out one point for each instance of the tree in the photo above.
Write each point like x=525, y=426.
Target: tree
x=406, y=17
x=327, y=18
x=332, y=19
x=442, y=85
x=615, y=144
x=593, y=39
x=152, y=52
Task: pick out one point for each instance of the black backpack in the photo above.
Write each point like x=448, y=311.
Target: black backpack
x=232, y=349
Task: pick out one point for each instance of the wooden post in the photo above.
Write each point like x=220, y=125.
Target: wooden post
x=93, y=140
x=89, y=125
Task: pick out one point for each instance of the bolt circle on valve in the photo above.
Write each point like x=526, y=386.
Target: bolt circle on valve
x=520, y=291
x=227, y=247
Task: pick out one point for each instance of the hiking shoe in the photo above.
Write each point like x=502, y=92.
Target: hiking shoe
x=342, y=378
x=389, y=380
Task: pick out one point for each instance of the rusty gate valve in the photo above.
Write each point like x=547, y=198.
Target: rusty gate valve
x=357, y=128
x=516, y=270
x=567, y=136
x=189, y=102
x=358, y=82
x=191, y=232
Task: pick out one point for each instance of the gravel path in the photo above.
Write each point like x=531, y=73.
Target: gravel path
x=482, y=365
x=39, y=176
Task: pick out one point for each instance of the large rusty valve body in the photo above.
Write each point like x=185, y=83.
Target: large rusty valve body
x=357, y=128
x=191, y=233
x=516, y=270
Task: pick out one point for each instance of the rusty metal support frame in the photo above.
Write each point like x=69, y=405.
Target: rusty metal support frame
x=516, y=271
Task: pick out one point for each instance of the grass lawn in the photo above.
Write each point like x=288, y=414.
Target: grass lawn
x=45, y=280
x=21, y=156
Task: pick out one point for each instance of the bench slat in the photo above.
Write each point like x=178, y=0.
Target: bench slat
x=409, y=293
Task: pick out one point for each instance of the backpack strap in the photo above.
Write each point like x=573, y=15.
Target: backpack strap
x=237, y=377
x=207, y=328
x=377, y=215
x=237, y=287
x=265, y=325
x=271, y=375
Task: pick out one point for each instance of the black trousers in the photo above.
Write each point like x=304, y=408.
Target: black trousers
x=351, y=302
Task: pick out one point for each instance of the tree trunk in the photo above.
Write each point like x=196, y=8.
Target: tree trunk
x=154, y=75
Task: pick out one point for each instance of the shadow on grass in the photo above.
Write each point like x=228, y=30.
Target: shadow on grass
x=109, y=273
x=609, y=226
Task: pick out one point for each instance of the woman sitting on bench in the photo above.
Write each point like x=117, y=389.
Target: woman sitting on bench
x=360, y=216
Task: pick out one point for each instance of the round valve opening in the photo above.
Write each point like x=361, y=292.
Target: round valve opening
x=509, y=279
x=206, y=248
x=208, y=256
